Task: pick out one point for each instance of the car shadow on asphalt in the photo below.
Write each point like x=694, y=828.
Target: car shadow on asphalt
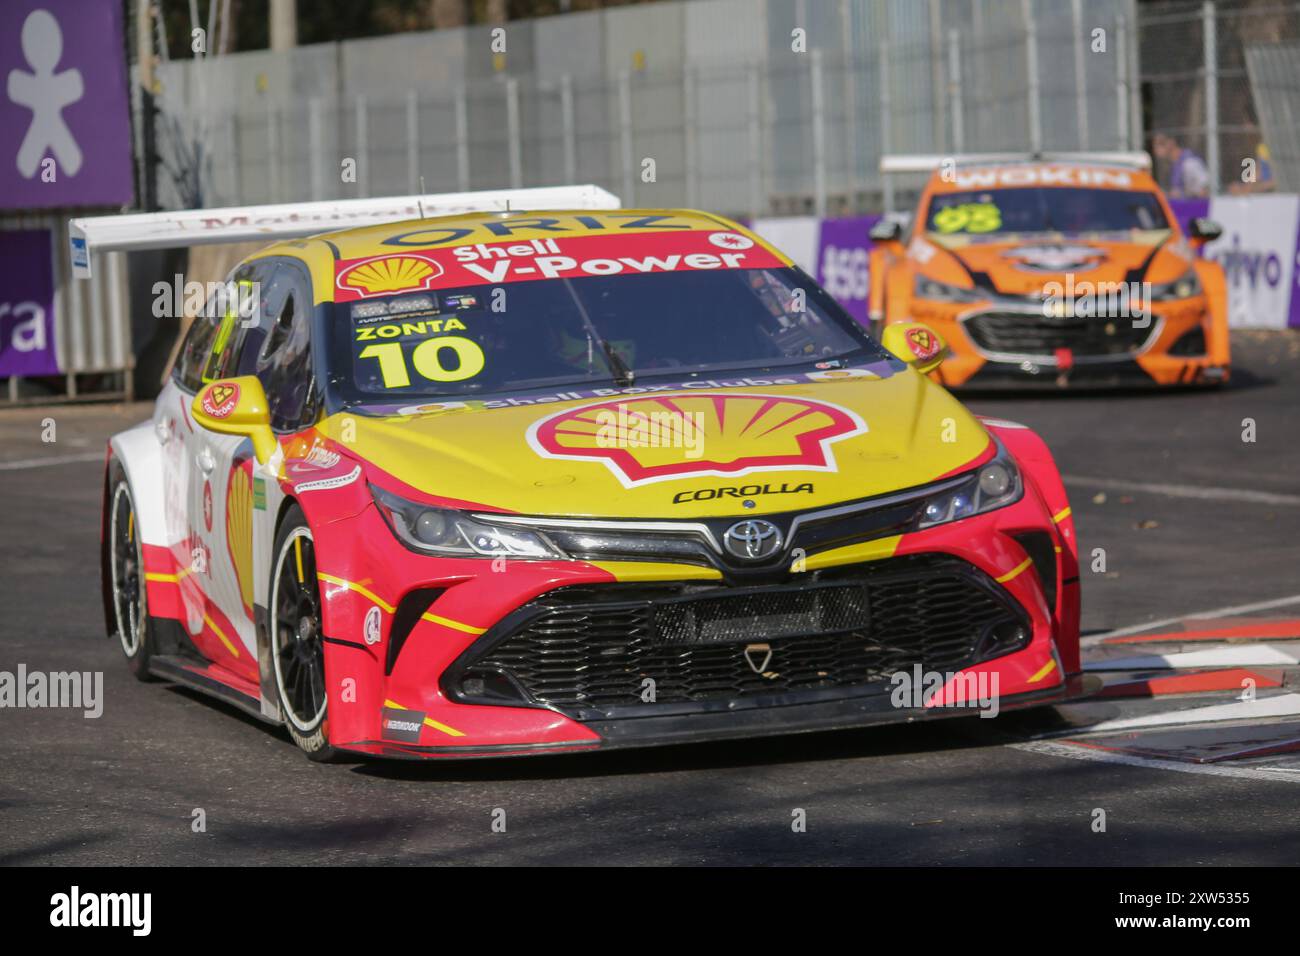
x=927, y=736
x=1243, y=380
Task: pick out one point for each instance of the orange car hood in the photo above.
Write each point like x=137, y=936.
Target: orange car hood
x=1022, y=264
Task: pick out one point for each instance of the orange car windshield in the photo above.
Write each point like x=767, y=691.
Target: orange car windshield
x=1054, y=209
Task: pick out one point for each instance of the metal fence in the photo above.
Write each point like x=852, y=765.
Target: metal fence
x=1222, y=78
x=722, y=104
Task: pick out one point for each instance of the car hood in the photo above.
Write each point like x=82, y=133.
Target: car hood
x=678, y=453
x=1022, y=265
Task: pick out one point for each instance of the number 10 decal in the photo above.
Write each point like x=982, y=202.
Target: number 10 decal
x=427, y=360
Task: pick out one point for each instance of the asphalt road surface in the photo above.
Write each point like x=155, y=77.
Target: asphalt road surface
x=1199, y=530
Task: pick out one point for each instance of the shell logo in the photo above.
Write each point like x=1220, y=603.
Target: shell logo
x=239, y=530
x=660, y=438
x=385, y=274
x=923, y=343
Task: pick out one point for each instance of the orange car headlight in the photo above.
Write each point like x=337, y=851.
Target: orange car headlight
x=937, y=291
x=1184, y=287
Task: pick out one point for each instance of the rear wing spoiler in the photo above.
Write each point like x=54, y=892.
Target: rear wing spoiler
x=925, y=163
x=192, y=227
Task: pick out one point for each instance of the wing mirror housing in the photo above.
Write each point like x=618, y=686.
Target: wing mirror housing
x=237, y=406
x=1202, y=230
x=918, y=345
x=886, y=230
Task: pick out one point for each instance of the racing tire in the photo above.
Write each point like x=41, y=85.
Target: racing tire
x=126, y=576
x=297, y=645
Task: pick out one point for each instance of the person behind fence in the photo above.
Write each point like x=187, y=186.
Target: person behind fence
x=1262, y=180
x=1189, y=177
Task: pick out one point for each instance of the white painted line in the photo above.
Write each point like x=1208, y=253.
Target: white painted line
x=1075, y=752
x=1201, y=616
x=1261, y=708
x=49, y=462
x=1227, y=655
x=1201, y=492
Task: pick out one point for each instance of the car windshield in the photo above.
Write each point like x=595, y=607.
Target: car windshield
x=492, y=339
x=1053, y=209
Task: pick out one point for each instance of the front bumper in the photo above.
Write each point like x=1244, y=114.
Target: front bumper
x=1181, y=346
x=447, y=623
x=776, y=718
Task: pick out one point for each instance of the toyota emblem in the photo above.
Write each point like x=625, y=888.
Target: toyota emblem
x=752, y=540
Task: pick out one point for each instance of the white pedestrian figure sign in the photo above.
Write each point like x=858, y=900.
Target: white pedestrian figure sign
x=46, y=94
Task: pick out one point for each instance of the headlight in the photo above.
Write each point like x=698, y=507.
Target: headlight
x=454, y=534
x=924, y=288
x=994, y=485
x=1184, y=287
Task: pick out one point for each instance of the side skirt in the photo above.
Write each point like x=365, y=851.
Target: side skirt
x=182, y=670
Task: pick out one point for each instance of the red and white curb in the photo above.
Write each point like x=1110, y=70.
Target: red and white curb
x=1214, y=694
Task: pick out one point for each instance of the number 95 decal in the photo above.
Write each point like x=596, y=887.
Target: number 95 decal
x=968, y=217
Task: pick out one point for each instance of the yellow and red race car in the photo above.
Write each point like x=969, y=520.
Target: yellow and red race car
x=1065, y=271
x=517, y=483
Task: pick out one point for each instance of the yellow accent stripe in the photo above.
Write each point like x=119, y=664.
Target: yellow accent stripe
x=331, y=579
x=1061, y=515
x=176, y=578
x=454, y=625
x=130, y=526
x=428, y=721
x=217, y=631
x=365, y=592
x=1016, y=571
x=1047, y=669
x=656, y=571
x=297, y=553
x=850, y=554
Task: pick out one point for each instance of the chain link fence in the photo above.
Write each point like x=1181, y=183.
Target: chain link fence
x=787, y=112
x=1223, y=79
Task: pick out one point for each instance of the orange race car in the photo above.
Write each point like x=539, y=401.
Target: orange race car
x=1065, y=269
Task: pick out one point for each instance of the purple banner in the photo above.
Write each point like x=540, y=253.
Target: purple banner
x=1293, y=313
x=67, y=129
x=27, y=304
x=1185, y=210
x=842, y=262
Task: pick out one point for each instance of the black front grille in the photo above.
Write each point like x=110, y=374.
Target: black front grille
x=588, y=651
x=762, y=615
x=1019, y=333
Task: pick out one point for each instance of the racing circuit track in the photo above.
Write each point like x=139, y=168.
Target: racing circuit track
x=1200, y=533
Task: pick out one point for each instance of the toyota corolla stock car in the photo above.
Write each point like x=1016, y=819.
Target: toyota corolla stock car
x=499, y=484
x=1058, y=273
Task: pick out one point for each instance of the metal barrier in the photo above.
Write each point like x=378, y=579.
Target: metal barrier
x=746, y=107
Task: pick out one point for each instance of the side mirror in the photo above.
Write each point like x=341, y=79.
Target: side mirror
x=886, y=230
x=1204, y=230
x=917, y=345
x=237, y=406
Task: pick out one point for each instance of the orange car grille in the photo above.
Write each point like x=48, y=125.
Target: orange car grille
x=1027, y=334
